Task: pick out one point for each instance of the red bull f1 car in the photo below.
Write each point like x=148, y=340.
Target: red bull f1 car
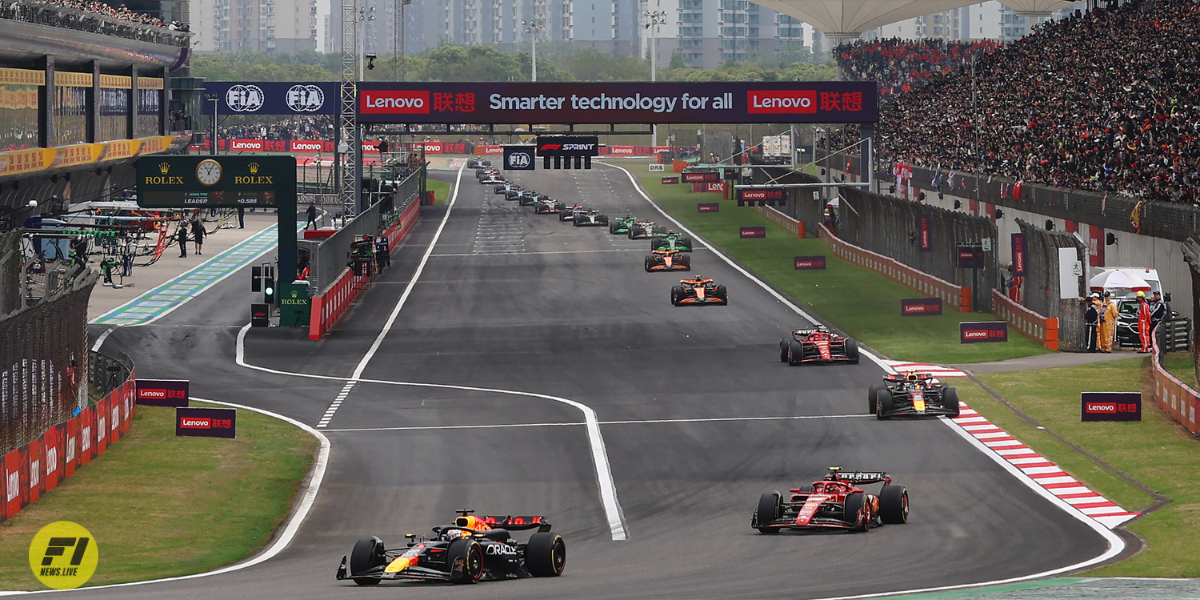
x=698, y=290
x=912, y=394
x=817, y=345
x=668, y=260
x=471, y=550
x=836, y=502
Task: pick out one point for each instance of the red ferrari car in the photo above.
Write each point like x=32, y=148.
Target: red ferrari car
x=835, y=502
x=818, y=344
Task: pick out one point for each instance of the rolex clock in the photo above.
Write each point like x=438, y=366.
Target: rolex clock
x=208, y=172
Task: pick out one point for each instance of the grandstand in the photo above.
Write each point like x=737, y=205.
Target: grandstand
x=1103, y=101
x=85, y=88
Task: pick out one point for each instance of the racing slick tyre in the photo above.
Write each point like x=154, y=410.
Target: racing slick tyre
x=367, y=554
x=562, y=215
x=873, y=396
x=575, y=222
x=721, y=294
x=950, y=401
x=858, y=512
x=676, y=295
x=893, y=505
x=545, y=555
x=783, y=351
x=770, y=508
x=685, y=244
x=633, y=231
x=852, y=350
x=795, y=353
x=465, y=558
x=883, y=404
x=685, y=262
x=612, y=228
x=649, y=263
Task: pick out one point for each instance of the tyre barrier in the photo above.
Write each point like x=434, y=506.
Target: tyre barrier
x=1175, y=397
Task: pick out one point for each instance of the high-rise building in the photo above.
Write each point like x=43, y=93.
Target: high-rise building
x=984, y=20
x=286, y=26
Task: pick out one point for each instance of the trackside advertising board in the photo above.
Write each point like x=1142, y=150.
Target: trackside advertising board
x=983, y=331
x=619, y=102
x=272, y=98
x=804, y=263
x=206, y=422
x=162, y=392
x=1111, y=406
x=920, y=306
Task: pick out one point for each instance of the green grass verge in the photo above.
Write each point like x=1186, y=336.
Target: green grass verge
x=1181, y=366
x=1157, y=452
x=441, y=189
x=859, y=301
x=161, y=506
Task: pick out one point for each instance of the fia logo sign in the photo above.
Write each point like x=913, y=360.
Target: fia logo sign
x=518, y=160
x=244, y=98
x=305, y=98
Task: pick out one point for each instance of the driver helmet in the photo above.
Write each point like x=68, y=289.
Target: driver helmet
x=822, y=329
x=453, y=534
x=911, y=376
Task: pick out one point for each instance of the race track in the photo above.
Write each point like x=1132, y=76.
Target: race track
x=697, y=416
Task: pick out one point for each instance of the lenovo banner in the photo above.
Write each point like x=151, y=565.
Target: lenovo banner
x=1018, y=254
x=708, y=177
x=206, y=422
x=715, y=187
x=761, y=196
x=920, y=306
x=162, y=392
x=970, y=256
x=753, y=232
x=1111, y=406
x=670, y=180
x=619, y=102
x=708, y=207
x=803, y=263
x=983, y=331
x=246, y=145
x=924, y=225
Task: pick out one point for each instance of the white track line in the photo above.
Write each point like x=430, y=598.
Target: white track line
x=629, y=422
x=307, y=494
x=604, y=478
x=1116, y=544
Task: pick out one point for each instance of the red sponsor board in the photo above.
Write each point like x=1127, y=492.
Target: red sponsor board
x=982, y=331
x=920, y=306
x=102, y=410
x=782, y=102
x=87, y=436
x=12, y=483
x=307, y=146
x=1111, y=406
x=807, y=263
x=714, y=187
x=71, y=447
x=924, y=224
x=760, y=196
x=394, y=102
x=753, y=232
x=246, y=145
x=488, y=149
x=53, y=452
x=670, y=180
x=434, y=148
x=206, y=422
x=621, y=150
x=701, y=177
x=708, y=207
x=661, y=149
x=33, y=465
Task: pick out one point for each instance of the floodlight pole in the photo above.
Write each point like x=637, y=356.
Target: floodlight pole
x=653, y=20
x=532, y=27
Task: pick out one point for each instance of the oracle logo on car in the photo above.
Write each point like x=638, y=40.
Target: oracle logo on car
x=395, y=102
x=781, y=101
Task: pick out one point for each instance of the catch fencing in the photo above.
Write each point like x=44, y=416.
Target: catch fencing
x=923, y=237
x=1041, y=291
x=328, y=256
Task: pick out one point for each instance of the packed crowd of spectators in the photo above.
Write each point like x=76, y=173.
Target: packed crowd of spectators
x=295, y=128
x=901, y=66
x=121, y=13
x=1103, y=100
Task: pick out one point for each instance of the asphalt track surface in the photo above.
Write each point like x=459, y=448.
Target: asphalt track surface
x=698, y=418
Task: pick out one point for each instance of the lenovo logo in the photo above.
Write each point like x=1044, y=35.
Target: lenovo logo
x=781, y=101
x=1097, y=407
x=394, y=102
x=152, y=393
x=975, y=334
x=255, y=145
x=195, y=423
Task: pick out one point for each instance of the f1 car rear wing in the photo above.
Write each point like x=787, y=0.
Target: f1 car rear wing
x=903, y=376
x=517, y=523
x=863, y=477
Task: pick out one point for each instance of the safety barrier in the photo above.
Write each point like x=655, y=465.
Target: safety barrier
x=1042, y=329
x=924, y=283
x=328, y=308
x=782, y=220
x=1173, y=395
x=32, y=470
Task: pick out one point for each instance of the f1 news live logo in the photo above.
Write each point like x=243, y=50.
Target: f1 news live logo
x=781, y=101
x=395, y=102
x=63, y=555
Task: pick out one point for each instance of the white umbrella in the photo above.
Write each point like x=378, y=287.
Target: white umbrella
x=1118, y=280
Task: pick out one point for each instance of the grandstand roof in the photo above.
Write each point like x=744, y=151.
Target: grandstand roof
x=851, y=18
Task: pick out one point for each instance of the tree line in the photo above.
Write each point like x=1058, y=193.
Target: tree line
x=556, y=62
